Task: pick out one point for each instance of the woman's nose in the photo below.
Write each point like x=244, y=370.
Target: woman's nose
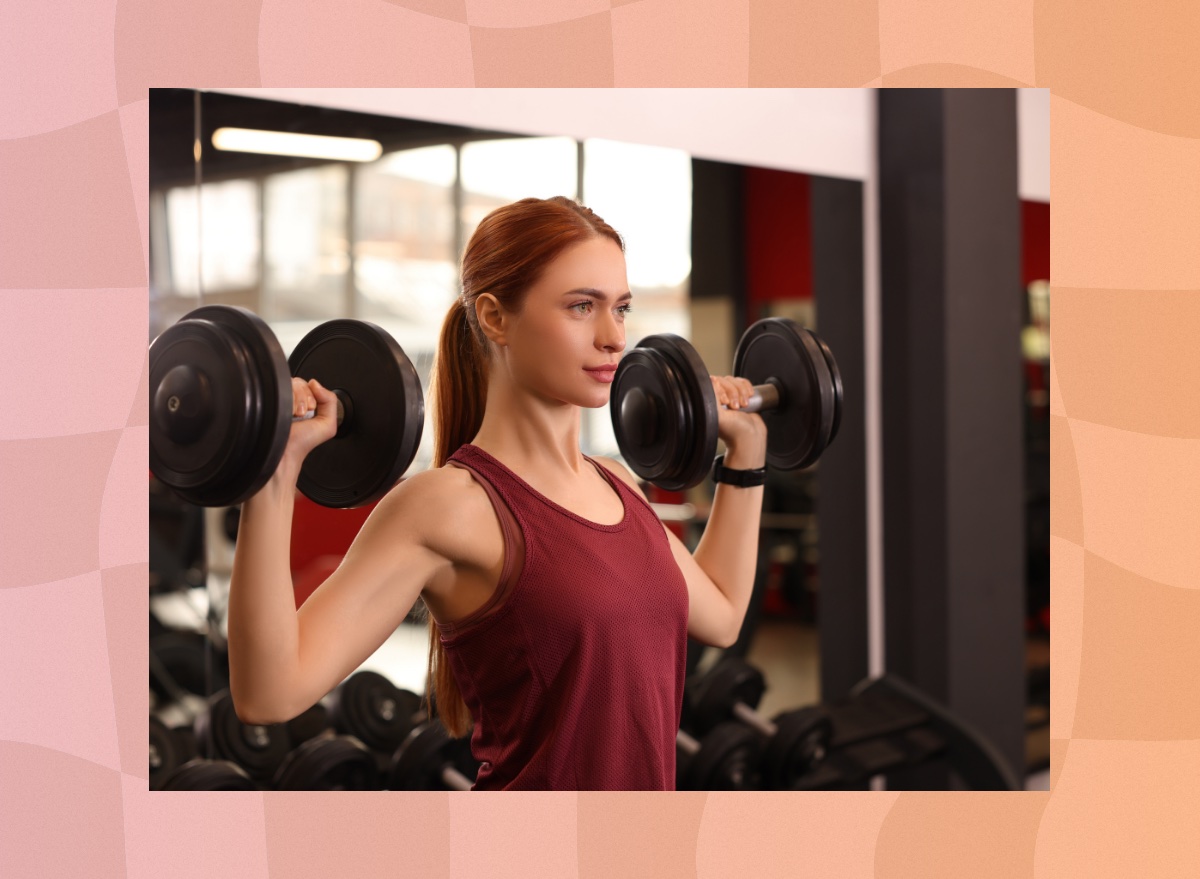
x=611, y=335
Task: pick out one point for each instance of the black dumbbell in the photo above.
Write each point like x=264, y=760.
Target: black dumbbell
x=257, y=748
x=308, y=724
x=664, y=409
x=209, y=775
x=170, y=748
x=795, y=741
x=329, y=762
x=221, y=403
x=725, y=758
x=375, y=711
x=430, y=759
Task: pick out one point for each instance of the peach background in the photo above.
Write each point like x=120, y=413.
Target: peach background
x=1126, y=437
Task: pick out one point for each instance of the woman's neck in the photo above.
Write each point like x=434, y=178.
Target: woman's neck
x=530, y=432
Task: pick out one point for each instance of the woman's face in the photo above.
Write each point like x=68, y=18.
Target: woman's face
x=572, y=325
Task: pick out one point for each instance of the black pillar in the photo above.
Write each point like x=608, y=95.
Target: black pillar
x=952, y=417
x=837, y=265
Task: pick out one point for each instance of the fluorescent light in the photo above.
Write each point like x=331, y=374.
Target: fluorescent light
x=285, y=143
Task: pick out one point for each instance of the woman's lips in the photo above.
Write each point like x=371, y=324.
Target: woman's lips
x=604, y=374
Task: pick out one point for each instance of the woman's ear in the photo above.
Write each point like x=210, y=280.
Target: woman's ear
x=492, y=318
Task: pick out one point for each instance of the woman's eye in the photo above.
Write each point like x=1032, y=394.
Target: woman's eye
x=582, y=306
x=625, y=309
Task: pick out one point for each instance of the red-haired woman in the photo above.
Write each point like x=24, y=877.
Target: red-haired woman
x=559, y=604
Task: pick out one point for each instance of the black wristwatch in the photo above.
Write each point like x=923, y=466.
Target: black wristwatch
x=740, y=478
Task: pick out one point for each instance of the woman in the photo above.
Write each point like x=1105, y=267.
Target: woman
x=559, y=604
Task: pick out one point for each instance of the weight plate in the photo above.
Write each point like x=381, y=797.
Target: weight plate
x=308, y=724
x=779, y=351
x=727, y=760
x=798, y=747
x=419, y=761
x=257, y=748
x=164, y=755
x=664, y=412
x=220, y=405
x=836, y=375
x=329, y=763
x=728, y=682
x=369, y=706
x=384, y=412
x=209, y=775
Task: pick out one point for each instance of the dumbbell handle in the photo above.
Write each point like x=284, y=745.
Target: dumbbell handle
x=689, y=745
x=453, y=779
x=763, y=397
x=750, y=717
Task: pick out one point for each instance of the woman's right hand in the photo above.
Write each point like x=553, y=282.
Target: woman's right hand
x=308, y=434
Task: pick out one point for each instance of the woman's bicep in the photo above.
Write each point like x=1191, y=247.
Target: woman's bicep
x=710, y=615
x=361, y=603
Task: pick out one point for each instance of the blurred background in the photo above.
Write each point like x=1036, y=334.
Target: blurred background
x=910, y=230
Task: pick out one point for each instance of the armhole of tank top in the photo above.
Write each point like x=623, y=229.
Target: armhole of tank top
x=510, y=570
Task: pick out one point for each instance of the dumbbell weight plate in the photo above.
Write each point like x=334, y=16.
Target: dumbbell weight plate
x=209, y=775
x=799, y=746
x=780, y=351
x=664, y=412
x=220, y=403
x=730, y=680
x=259, y=749
x=836, y=375
x=329, y=763
x=384, y=412
x=308, y=724
x=727, y=760
x=370, y=707
x=165, y=755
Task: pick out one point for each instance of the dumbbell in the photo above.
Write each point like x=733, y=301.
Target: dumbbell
x=664, y=409
x=170, y=748
x=795, y=741
x=725, y=758
x=430, y=759
x=257, y=748
x=329, y=762
x=201, y=774
x=221, y=402
x=375, y=711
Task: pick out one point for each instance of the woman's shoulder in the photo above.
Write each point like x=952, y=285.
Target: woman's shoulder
x=444, y=503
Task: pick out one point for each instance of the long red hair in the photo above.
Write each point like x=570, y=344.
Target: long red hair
x=507, y=254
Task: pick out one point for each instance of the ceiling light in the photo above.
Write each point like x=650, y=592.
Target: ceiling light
x=286, y=143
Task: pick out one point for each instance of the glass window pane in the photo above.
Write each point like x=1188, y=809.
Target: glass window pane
x=230, y=239
x=307, y=252
x=645, y=193
x=405, y=267
x=499, y=172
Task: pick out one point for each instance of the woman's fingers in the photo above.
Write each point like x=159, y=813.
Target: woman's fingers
x=732, y=391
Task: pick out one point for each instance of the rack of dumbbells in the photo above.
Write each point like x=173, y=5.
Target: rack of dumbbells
x=367, y=734
x=883, y=725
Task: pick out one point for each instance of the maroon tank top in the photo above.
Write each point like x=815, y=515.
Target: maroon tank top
x=573, y=672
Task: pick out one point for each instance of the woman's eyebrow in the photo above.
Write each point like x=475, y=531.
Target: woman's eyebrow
x=593, y=292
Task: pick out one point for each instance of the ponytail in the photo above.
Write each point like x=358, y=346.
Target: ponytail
x=505, y=256
x=459, y=389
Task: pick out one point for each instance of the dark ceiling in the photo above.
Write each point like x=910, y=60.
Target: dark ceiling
x=172, y=126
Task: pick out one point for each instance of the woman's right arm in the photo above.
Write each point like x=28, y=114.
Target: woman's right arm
x=282, y=660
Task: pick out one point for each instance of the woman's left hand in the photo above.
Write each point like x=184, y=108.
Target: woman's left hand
x=744, y=431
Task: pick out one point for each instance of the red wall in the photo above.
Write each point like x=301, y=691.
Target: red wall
x=1035, y=241
x=778, y=223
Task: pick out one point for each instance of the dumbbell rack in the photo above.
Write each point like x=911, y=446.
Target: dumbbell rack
x=886, y=724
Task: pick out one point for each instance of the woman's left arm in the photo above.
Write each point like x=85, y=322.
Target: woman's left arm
x=728, y=550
